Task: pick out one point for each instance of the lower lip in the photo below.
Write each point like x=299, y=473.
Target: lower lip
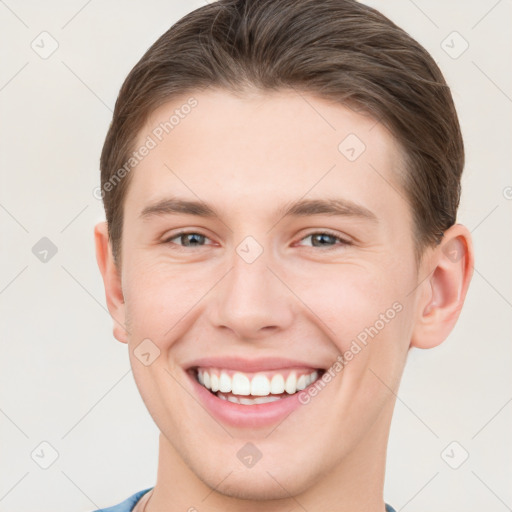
x=238, y=415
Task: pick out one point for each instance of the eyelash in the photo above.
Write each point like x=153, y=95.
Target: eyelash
x=342, y=241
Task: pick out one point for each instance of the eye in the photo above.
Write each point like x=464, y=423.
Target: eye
x=325, y=239
x=189, y=239
x=318, y=239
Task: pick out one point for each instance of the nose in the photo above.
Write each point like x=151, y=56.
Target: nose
x=251, y=301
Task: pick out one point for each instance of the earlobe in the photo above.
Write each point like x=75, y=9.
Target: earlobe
x=111, y=281
x=444, y=291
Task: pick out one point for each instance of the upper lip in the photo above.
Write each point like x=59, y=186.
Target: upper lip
x=250, y=365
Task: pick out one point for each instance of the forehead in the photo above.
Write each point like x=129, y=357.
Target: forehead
x=261, y=149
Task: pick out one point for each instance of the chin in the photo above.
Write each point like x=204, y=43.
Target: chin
x=260, y=483
x=255, y=486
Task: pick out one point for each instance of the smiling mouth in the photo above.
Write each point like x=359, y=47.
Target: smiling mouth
x=255, y=388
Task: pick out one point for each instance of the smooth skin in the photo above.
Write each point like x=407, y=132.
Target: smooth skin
x=306, y=297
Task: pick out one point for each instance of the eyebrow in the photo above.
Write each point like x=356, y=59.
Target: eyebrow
x=300, y=208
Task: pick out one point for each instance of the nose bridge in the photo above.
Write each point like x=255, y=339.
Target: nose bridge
x=251, y=298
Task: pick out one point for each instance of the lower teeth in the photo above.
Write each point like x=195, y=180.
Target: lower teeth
x=247, y=401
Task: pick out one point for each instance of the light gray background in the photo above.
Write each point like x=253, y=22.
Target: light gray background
x=65, y=380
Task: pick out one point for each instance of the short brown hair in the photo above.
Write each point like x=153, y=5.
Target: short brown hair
x=339, y=50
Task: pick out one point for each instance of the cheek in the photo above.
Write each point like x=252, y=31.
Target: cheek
x=349, y=300
x=159, y=297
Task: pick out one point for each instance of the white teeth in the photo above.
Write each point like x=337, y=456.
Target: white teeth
x=259, y=400
x=240, y=384
x=206, y=378
x=260, y=385
x=311, y=378
x=249, y=401
x=277, y=384
x=291, y=383
x=214, y=381
x=301, y=382
x=266, y=399
x=224, y=382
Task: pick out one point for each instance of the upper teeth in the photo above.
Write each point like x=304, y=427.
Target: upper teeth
x=240, y=383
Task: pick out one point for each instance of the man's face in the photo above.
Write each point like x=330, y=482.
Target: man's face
x=255, y=291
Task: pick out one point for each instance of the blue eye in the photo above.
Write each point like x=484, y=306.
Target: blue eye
x=190, y=239
x=318, y=239
x=325, y=239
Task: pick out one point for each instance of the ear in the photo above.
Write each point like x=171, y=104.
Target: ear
x=443, y=293
x=111, y=281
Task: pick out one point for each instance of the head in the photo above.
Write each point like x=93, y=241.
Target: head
x=312, y=152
